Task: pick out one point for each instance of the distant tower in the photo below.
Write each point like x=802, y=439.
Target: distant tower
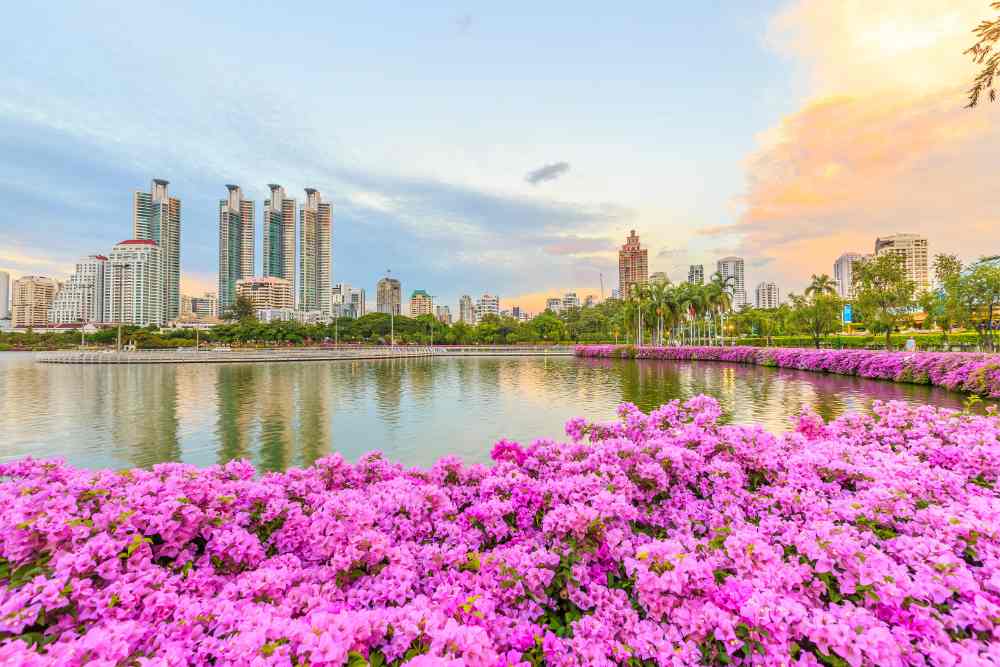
x=236, y=244
x=132, y=284
x=388, y=296
x=633, y=265
x=466, y=310
x=913, y=249
x=4, y=295
x=732, y=267
x=279, y=235
x=696, y=274
x=315, y=261
x=766, y=295
x=156, y=216
x=843, y=273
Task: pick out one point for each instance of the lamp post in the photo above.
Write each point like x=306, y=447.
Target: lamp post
x=392, y=310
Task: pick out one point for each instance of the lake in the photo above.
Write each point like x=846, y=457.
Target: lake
x=280, y=415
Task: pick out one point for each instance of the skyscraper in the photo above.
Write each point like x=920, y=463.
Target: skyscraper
x=4, y=295
x=487, y=304
x=732, y=267
x=766, y=295
x=81, y=298
x=388, y=296
x=466, y=310
x=443, y=314
x=696, y=274
x=633, y=265
x=421, y=303
x=32, y=297
x=157, y=217
x=133, y=284
x=347, y=301
x=236, y=241
x=843, y=273
x=315, y=263
x=279, y=235
x=913, y=249
x=570, y=300
x=267, y=292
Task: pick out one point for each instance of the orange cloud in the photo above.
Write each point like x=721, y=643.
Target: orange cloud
x=883, y=145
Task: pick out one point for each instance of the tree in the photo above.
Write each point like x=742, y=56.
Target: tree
x=818, y=314
x=981, y=288
x=944, y=306
x=242, y=310
x=821, y=284
x=985, y=53
x=883, y=293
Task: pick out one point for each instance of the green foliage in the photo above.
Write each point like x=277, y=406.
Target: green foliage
x=884, y=294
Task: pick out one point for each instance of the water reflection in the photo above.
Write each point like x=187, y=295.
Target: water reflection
x=415, y=410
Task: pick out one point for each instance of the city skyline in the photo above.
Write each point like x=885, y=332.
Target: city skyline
x=790, y=187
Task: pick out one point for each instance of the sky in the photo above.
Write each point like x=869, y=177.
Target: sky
x=473, y=147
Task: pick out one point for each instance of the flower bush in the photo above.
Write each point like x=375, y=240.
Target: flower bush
x=661, y=539
x=960, y=371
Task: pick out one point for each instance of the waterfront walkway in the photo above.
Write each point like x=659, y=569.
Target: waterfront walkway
x=342, y=353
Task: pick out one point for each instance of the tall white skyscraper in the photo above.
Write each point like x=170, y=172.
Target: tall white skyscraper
x=696, y=274
x=487, y=304
x=466, y=310
x=81, y=298
x=732, y=267
x=279, y=234
x=133, y=284
x=766, y=295
x=315, y=261
x=913, y=249
x=4, y=295
x=156, y=217
x=843, y=273
x=236, y=244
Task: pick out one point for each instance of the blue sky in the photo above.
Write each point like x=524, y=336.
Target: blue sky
x=419, y=123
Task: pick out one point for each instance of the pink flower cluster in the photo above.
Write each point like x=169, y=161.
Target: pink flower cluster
x=661, y=539
x=960, y=371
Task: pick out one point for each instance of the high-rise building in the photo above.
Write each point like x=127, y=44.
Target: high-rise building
x=570, y=300
x=696, y=274
x=843, y=273
x=32, y=297
x=519, y=314
x=156, y=216
x=348, y=301
x=206, y=306
x=421, y=303
x=315, y=262
x=487, y=304
x=616, y=294
x=732, y=267
x=133, y=284
x=236, y=241
x=279, y=235
x=913, y=249
x=589, y=301
x=466, y=310
x=270, y=292
x=388, y=296
x=443, y=314
x=633, y=265
x=766, y=295
x=555, y=304
x=4, y=295
x=81, y=298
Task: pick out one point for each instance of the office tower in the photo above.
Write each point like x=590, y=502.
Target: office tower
x=766, y=295
x=270, y=292
x=570, y=300
x=633, y=267
x=31, y=298
x=913, y=249
x=732, y=267
x=466, y=310
x=843, y=273
x=4, y=295
x=236, y=241
x=555, y=304
x=421, y=303
x=443, y=314
x=279, y=235
x=347, y=301
x=487, y=304
x=206, y=306
x=156, y=216
x=388, y=296
x=696, y=274
x=616, y=294
x=81, y=298
x=133, y=284
x=315, y=264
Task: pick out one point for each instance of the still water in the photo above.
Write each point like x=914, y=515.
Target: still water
x=415, y=410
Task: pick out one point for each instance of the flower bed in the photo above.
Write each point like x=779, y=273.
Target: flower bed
x=959, y=371
x=665, y=539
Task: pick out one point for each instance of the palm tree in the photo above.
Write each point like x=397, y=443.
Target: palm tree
x=720, y=296
x=821, y=284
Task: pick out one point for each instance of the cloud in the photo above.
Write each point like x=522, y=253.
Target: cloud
x=549, y=172
x=577, y=245
x=882, y=144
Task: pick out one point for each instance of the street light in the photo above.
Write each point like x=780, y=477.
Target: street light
x=392, y=309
